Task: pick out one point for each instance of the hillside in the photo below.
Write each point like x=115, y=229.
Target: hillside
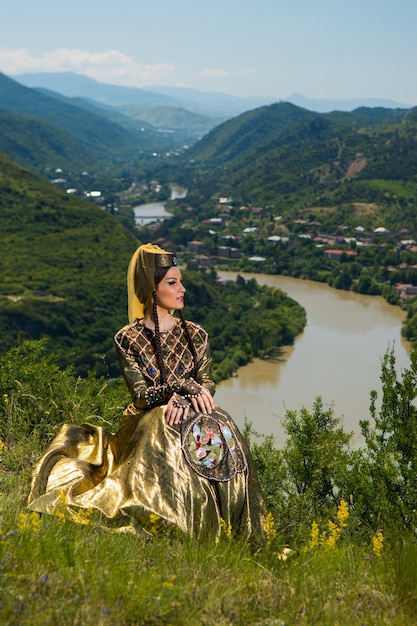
x=95, y=133
x=62, y=276
x=62, y=269
x=97, y=108
x=210, y=104
x=172, y=118
x=287, y=157
x=246, y=133
x=39, y=145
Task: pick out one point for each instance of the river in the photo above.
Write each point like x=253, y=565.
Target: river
x=150, y=212
x=338, y=357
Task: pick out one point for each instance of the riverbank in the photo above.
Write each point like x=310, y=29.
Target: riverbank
x=337, y=357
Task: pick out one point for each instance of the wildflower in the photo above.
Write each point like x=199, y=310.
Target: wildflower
x=23, y=524
x=269, y=527
x=328, y=538
x=342, y=513
x=29, y=522
x=377, y=543
x=334, y=534
x=154, y=523
x=61, y=506
x=314, y=541
x=35, y=521
x=83, y=516
x=6, y=398
x=226, y=528
x=2, y=446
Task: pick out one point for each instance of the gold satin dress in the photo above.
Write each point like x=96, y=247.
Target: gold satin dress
x=197, y=476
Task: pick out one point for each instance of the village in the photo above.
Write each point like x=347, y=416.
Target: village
x=250, y=237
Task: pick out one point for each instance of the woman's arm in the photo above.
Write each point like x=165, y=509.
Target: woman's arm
x=143, y=395
x=200, y=389
x=203, y=371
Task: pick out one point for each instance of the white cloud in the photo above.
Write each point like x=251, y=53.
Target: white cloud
x=215, y=73
x=222, y=73
x=110, y=66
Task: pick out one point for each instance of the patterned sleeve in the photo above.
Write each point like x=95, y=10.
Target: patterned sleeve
x=192, y=387
x=203, y=371
x=143, y=396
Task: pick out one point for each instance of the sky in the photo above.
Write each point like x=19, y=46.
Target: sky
x=322, y=49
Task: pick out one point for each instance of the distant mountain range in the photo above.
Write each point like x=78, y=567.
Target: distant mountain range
x=279, y=154
x=219, y=105
x=329, y=105
x=41, y=128
x=90, y=128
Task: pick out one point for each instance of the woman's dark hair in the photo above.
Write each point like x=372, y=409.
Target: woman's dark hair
x=158, y=276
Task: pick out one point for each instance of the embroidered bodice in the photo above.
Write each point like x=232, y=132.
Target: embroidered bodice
x=138, y=362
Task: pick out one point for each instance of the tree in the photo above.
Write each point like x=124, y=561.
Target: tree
x=391, y=459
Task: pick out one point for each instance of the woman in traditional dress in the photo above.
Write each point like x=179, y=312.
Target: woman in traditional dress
x=178, y=458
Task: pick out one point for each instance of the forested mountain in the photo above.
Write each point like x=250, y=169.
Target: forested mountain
x=172, y=118
x=39, y=145
x=63, y=269
x=184, y=110
x=104, y=138
x=102, y=110
x=205, y=103
x=288, y=157
x=95, y=133
x=246, y=134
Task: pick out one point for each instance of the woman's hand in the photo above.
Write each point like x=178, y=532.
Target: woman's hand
x=176, y=410
x=203, y=402
x=200, y=398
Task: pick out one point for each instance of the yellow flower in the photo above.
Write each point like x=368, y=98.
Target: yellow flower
x=83, y=516
x=29, y=522
x=269, y=527
x=23, y=523
x=2, y=446
x=6, y=398
x=61, y=506
x=377, y=543
x=334, y=534
x=155, y=523
x=315, y=531
x=328, y=538
x=35, y=521
x=226, y=528
x=342, y=513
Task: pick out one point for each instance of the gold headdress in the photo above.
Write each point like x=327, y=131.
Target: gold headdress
x=140, y=277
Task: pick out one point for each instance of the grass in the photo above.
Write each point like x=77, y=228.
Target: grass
x=54, y=570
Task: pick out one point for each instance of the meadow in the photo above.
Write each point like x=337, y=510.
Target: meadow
x=339, y=538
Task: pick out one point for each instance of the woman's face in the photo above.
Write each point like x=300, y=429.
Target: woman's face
x=170, y=290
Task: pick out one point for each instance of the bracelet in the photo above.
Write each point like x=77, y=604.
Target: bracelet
x=180, y=402
x=157, y=395
x=194, y=391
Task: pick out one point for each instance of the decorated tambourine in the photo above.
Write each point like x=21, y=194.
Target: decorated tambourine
x=211, y=447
